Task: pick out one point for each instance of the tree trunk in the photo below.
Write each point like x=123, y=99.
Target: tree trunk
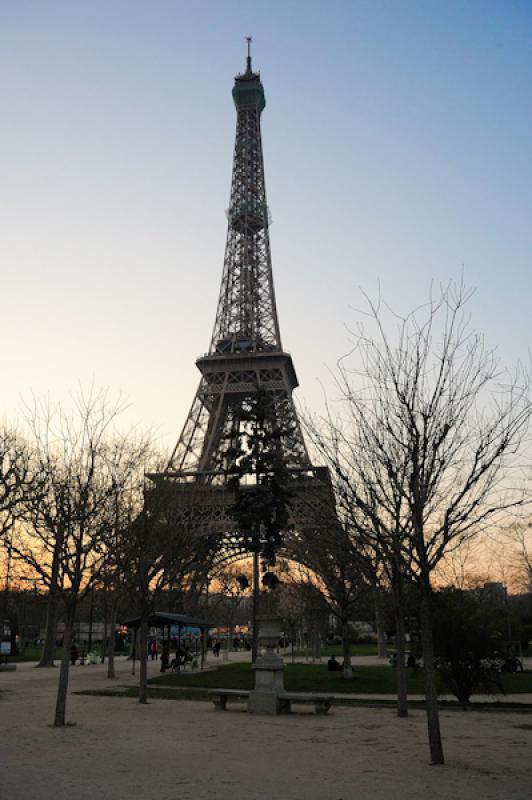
x=5, y=594
x=91, y=616
x=227, y=648
x=402, y=690
x=382, y=650
x=316, y=646
x=105, y=628
x=431, y=691
x=205, y=631
x=204, y=642
x=133, y=650
x=112, y=638
x=60, y=706
x=346, y=646
x=255, y=609
x=143, y=658
x=47, y=653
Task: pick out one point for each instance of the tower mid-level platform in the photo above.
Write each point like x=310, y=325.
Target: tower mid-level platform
x=241, y=373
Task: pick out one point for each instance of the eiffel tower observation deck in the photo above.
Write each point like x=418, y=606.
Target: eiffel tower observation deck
x=245, y=361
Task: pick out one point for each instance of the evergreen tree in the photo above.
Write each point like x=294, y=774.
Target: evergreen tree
x=260, y=477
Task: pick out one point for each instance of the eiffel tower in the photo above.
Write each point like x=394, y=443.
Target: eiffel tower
x=245, y=353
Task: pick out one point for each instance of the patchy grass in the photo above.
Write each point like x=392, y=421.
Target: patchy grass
x=336, y=650
x=517, y=682
x=33, y=654
x=298, y=678
x=316, y=678
x=156, y=692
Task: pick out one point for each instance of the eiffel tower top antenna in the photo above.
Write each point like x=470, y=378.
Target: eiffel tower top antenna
x=249, y=39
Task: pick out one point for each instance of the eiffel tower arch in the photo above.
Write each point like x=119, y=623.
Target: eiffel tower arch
x=245, y=356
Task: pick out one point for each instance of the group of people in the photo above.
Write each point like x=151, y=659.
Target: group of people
x=182, y=656
x=238, y=644
x=182, y=653
x=81, y=655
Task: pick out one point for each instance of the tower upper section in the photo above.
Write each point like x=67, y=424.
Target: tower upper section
x=246, y=318
x=248, y=90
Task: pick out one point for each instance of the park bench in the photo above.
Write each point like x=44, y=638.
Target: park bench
x=321, y=702
x=220, y=696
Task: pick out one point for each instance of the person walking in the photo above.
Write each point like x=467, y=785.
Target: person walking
x=152, y=649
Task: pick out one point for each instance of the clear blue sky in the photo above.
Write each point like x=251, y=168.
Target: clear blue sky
x=397, y=140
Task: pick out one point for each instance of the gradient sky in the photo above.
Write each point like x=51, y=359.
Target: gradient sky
x=397, y=141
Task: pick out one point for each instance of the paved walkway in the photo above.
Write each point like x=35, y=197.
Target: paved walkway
x=28, y=677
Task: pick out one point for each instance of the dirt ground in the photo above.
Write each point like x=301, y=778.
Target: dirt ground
x=176, y=750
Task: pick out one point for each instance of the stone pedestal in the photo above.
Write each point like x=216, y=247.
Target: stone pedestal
x=269, y=670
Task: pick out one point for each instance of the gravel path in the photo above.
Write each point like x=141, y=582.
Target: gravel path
x=172, y=750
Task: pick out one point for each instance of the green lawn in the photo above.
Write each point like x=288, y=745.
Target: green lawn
x=517, y=683
x=316, y=678
x=298, y=677
x=336, y=650
x=34, y=654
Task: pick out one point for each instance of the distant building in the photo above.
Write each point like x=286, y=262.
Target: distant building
x=80, y=632
x=495, y=590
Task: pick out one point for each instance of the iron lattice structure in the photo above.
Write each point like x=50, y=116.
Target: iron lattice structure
x=245, y=351
x=245, y=356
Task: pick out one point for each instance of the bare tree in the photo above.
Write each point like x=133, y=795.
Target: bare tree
x=66, y=521
x=16, y=476
x=365, y=507
x=431, y=433
x=158, y=552
x=342, y=569
x=233, y=583
x=519, y=537
x=128, y=482
x=291, y=608
x=301, y=600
